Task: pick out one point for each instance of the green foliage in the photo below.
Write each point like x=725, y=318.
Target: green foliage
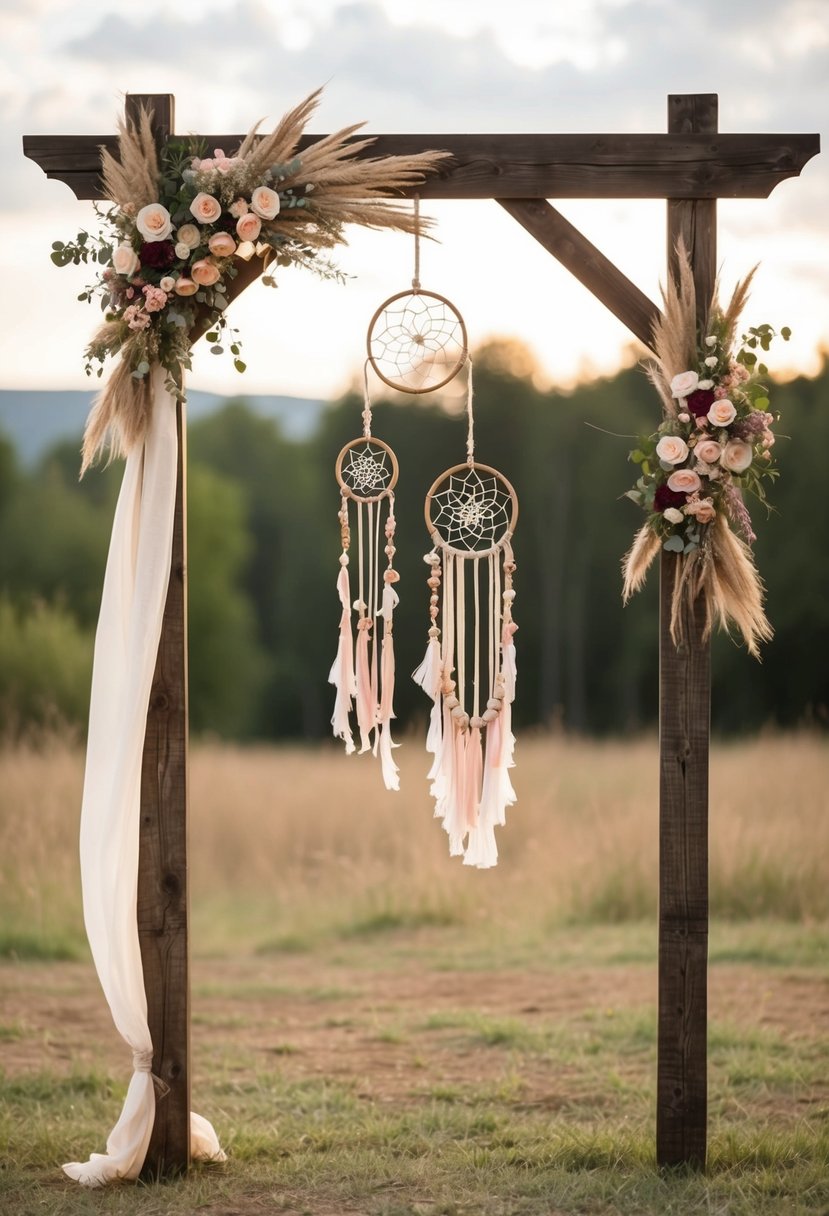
x=45, y=667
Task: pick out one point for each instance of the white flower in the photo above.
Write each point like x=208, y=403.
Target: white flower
x=684, y=384
x=154, y=222
x=124, y=260
x=189, y=235
x=167, y=283
x=711, y=361
x=673, y=515
x=711, y=340
x=684, y=417
x=672, y=449
x=182, y=250
x=706, y=384
x=265, y=202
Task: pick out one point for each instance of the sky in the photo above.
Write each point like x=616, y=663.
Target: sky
x=434, y=66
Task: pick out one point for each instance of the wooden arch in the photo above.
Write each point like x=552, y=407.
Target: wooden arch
x=690, y=166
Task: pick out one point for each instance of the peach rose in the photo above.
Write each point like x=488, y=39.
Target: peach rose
x=684, y=481
x=703, y=510
x=737, y=455
x=248, y=227
x=684, y=384
x=125, y=260
x=154, y=222
x=265, y=202
x=221, y=244
x=708, y=450
x=186, y=287
x=722, y=413
x=672, y=449
x=205, y=272
x=205, y=208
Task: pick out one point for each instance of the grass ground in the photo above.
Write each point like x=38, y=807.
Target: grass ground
x=377, y=1030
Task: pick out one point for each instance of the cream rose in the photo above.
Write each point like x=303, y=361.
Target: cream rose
x=684, y=481
x=189, y=235
x=186, y=287
x=182, y=251
x=167, y=283
x=673, y=515
x=737, y=456
x=221, y=244
x=248, y=227
x=265, y=202
x=672, y=449
x=205, y=272
x=205, y=208
x=684, y=384
x=125, y=260
x=722, y=413
x=239, y=207
x=154, y=222
x=708, y=450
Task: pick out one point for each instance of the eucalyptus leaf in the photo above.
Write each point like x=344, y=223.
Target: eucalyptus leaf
x=674, y=544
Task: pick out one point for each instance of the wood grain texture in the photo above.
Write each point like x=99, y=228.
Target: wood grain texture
x=163, y=900
x=682, y=164
x=589, y=265
x=684, y=734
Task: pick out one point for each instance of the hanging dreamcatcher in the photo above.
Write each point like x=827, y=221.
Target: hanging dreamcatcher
x=418, y=342
x=366, y=470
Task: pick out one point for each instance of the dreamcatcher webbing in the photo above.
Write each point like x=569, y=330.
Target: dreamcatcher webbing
x=363, y=671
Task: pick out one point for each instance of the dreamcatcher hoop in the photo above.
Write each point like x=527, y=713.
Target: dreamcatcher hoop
x=414, y=336
x=492, y=500
x=366, y=468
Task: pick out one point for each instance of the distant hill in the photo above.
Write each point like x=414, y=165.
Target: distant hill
x=34, y=420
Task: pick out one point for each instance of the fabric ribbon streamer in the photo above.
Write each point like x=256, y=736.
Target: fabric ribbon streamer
x=126, y=646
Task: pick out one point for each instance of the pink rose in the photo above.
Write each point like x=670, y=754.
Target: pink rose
x=186, y=287
x=672, y=449
x=684, y=481
x=221, y=244
x=205, y=272
x=708, y=450
x=265, y=202
x=125, y=260
x=737, y=455
x=684, y=383
x=722, y=413
x=703, y=510
x=205, y=208
x=248, y=227
x=154, y=222
x=238, y=208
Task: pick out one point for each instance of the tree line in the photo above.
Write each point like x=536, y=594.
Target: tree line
x=263, y=544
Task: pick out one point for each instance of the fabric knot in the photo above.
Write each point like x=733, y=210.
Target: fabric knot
x=142, y=1061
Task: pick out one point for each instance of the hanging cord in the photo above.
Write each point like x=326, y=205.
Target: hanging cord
x=470, y=429
x=416, y=276
x=366, y=402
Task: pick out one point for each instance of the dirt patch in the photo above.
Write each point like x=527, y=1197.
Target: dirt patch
x=395, y=1035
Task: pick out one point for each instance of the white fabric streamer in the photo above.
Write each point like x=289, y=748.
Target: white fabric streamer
x=126, y=645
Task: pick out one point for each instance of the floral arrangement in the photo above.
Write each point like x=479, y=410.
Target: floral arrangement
x=182, y=224
x=713, y=447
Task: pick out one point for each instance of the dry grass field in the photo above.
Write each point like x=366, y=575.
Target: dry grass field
x=379, y=1030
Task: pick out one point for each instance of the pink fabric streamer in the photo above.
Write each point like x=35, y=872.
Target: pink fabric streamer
x=342, y=670
x=365, y=704
x=391, y=778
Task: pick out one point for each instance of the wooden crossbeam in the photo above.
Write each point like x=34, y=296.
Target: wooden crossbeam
x=678, y=165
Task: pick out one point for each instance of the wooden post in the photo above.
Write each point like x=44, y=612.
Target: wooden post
x=163, y=898
x=684, y=732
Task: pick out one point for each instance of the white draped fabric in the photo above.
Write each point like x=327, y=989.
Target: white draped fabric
x=126, y=645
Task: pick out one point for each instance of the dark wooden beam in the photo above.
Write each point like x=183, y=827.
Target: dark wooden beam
x=163, y=892
x=684, y=733
x=589, y=265
x=678, y=165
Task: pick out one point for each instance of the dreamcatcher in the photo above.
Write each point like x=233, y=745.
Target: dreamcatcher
x=420, y=343
x=366, y=470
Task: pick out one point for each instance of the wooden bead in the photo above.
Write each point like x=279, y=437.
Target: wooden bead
x=433, y=581
x=452, y=702
x=500, y=692
x=343, y=559
x=509, y=596
x=448, y=686
x=476, y=723
x=489, y=715
x=391, y=576
x=492, y=703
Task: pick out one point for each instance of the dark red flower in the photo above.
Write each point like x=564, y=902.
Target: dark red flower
x=159, y=255
x=664, y=497
x=700, y=402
